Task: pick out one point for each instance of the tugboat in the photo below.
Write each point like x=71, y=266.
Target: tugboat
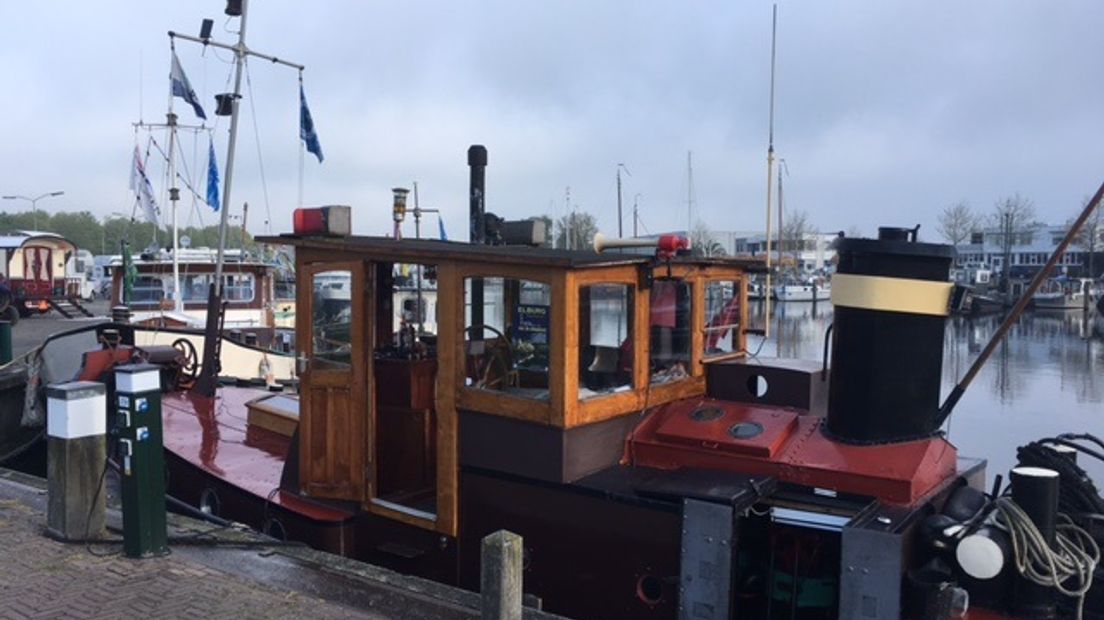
x=605, y=407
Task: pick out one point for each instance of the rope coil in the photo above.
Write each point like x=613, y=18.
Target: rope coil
x=1072, y=560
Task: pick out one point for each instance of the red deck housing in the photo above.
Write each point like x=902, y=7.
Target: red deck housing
x=791, y=448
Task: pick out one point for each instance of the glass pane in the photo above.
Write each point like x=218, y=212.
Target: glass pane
x=507, y=335
x=331, y=320
x=414, y=307
x=605, y=339
x=670, y=330
x=722, y=316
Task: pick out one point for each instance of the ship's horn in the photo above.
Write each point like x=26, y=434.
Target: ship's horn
x=602, y=242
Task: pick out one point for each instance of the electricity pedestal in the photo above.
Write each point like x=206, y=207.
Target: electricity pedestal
x=138, y=401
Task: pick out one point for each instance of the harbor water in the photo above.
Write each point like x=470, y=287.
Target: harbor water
x=1044, y=379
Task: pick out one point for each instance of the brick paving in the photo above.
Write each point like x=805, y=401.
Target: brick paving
x=43, y=578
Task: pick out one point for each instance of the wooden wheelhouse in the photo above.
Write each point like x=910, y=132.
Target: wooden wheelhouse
x=540, y=365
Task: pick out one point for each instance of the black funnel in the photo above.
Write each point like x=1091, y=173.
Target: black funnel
x=891, y=298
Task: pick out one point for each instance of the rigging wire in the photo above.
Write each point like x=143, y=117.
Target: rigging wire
x=257, y=139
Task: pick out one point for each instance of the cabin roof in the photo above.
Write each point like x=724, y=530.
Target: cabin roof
x=435, y=250
x=17, y=238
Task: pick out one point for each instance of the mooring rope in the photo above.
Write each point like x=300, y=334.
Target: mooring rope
x=1072, y=559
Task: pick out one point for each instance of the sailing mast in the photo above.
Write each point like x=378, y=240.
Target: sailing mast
x=208, y=380
x=770, y=169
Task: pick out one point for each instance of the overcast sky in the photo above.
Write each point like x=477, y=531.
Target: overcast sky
x=886, y=111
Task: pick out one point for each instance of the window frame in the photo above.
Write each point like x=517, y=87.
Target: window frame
x=631, y=318
x=499, y=403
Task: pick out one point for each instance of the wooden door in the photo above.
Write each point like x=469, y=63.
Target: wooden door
x=38, y=270
x=334, y=360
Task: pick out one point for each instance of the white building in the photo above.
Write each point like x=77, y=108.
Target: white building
x=1029, y=251
x=816, y=254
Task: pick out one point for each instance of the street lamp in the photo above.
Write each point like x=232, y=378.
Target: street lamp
x=34, y=203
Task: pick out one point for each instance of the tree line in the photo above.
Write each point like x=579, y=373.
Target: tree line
x=88, y=232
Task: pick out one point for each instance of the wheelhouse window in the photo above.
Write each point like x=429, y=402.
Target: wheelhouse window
x=669, y=325
x=236, y=287
x=507, y=325
x=147, y=290
x=605, y=339
x=331, y=319
x=722, y=317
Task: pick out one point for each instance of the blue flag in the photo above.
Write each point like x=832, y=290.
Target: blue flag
x=441, y=228
x=306, y=127
x=181, y=88
x=212, y=177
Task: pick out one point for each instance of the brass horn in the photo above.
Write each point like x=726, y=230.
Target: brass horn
x=602, y=242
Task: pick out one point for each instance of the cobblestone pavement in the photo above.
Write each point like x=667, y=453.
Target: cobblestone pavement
x=43, y=578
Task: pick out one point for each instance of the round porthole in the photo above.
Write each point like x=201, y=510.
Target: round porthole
x=649, y=589
x=706, y=414
x=745, y=430
x=757, y=386
x=273, y=528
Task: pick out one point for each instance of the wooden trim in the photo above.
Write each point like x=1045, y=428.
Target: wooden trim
x=402, y=517
x=741, y=342
x=697, y=324
x=622, y=274
x=545, y=275
x=450, y=313
x=628, y=403
x=503, y=404
x=564, y=354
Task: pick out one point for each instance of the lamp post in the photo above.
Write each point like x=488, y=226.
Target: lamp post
x=34, y=203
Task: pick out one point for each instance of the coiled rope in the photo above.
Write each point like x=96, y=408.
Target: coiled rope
x=1072, y=559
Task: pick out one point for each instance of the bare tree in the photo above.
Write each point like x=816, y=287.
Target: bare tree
x=956, y=222
x=705, y=243
x=794, y=228
x=1091, y=237
x=854, y=232
x=1012, y=216
x=576, y=230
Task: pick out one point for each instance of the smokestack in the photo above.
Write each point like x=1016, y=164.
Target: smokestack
x=891, y=298
x=477, y=160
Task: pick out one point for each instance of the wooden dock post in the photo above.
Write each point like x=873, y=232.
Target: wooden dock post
x=76, y=444
x=501, y=576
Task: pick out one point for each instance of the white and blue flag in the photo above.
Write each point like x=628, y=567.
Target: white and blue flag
x=212, y=177
x=306, y=127
x=182, y=88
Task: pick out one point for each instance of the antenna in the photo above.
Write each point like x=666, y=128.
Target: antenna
x=620, y=219
x=690, y=198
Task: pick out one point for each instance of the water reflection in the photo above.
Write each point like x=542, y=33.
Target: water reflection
x=1043, y=380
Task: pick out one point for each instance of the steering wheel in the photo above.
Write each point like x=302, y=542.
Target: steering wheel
x=189, y=366
x=501, y=354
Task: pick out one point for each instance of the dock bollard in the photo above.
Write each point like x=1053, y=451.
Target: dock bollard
x=138, y=403
x=76, y=445
x=1035, y=490
x=501, y=576
x=5, y=342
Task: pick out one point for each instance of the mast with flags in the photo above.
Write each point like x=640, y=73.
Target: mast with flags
x=228, y=102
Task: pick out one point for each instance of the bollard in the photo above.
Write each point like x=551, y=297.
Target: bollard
x=5, y=342
x=120, y=314
x=138, y=402
x=1035, y=490
x=500, y=576
x=76, y=445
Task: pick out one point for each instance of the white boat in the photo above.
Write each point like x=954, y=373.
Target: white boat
x=812, y=290
x=1064, y=294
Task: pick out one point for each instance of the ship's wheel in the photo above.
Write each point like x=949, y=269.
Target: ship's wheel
x=189, y=363
x=494, y=367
